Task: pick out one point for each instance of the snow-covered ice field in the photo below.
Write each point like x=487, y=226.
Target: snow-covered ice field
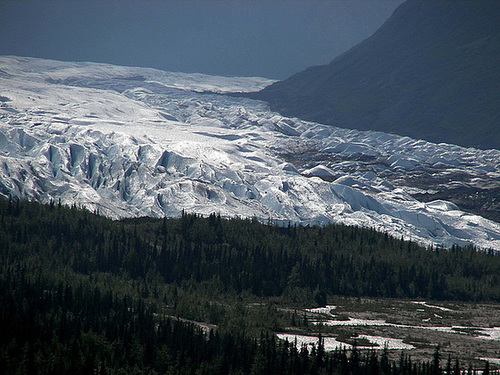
x=131, y=142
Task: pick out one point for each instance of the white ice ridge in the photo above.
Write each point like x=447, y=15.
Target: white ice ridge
x=131, y=142
x=327, y=310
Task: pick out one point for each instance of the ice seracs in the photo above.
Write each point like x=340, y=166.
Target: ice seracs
x=132, y=142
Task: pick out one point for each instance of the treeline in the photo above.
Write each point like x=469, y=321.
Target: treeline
x=268, y=260
x=245, y=255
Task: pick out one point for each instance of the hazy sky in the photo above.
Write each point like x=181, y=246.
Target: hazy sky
x=266, y=38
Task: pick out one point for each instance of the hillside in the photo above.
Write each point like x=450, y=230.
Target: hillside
x=430, y=72
x=81, y=293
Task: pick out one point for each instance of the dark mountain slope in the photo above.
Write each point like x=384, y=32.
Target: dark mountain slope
x=431, y=71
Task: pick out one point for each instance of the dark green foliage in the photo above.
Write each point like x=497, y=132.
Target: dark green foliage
x=268, y=260
x=486, y=370
x=244, y=255
x=60, y=331
x=83, y=294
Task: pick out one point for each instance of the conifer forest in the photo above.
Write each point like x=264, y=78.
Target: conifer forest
x=83, y=294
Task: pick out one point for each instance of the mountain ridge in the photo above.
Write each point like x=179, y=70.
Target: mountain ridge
x=429, y=72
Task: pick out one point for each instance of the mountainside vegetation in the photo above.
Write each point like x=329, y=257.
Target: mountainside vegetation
x=430, y=72
x=81, y=293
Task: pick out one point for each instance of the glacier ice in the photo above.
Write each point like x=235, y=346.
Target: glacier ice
x=130, y=142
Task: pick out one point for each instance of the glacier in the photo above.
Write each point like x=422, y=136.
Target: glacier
x=130, y=142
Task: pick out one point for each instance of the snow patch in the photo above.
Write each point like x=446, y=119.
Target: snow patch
x=327, y=310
